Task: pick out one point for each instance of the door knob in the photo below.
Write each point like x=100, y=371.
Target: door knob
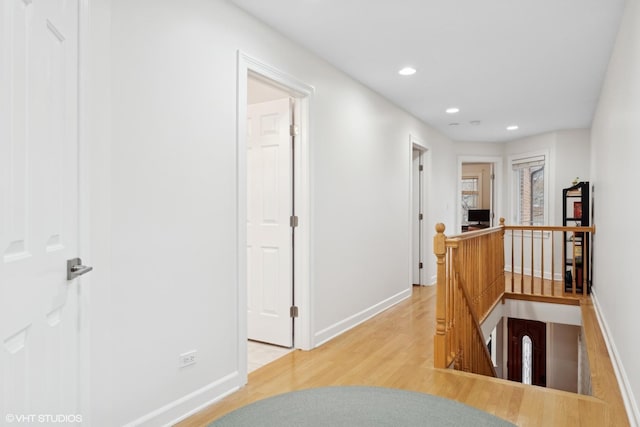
x=75, y=268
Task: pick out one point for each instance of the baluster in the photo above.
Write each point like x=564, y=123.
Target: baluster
x=513, y=263
x=531, y=275
x=553, y=263
x=585, y=261
x=522, y=261
x=542, y=261
x=573, y=257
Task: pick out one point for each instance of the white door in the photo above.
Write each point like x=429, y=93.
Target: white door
x=269, y=232
x=39, y=307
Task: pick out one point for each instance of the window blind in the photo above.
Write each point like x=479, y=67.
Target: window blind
x=527, y=162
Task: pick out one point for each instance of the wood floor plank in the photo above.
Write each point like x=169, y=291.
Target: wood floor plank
x=395, y=349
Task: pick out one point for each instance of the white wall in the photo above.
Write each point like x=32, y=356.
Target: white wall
x=163, y=140
x=568, y=157
x=569, y=152
x=615, y=153
x=562, y=357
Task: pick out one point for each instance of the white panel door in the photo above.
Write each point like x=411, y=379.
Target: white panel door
x=269, y=206
x=39, y=307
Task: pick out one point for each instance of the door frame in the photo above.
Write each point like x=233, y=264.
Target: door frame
x=497, y=208
x=302, y=287
x=416, y=144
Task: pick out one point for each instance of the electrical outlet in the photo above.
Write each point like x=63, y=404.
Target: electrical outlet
x=186, y=359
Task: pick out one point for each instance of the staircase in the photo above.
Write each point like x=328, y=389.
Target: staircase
x=472, y=280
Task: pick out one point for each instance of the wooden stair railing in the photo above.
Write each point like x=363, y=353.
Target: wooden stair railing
x=472, y=355
x=470, y=282
x=539, y=258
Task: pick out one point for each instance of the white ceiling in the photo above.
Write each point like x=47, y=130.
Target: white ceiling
x=535, y=63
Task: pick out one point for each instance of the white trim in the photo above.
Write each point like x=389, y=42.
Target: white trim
x=415, y=144
x=630, y=403
x=303, y=93
x=351, y=322
x=182, y=408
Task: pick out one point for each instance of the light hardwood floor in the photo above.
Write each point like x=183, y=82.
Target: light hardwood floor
x=395, y=349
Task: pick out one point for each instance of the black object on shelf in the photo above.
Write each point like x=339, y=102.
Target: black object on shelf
x=575, y=213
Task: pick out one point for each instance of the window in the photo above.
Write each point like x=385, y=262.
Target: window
x=470, y=195
x=527, y=359
x=530, y=190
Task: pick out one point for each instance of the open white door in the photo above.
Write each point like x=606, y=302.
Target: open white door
x=39, y=308
x=269, y=232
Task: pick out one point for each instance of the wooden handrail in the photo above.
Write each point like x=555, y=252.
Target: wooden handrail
x=589, y=229
x=468, y=288
x=538, y=272
x=471, y=282
x=481, y=364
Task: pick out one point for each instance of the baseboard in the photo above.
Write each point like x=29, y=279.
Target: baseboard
x=188, y=405
x=627, y=393
x=343, y=326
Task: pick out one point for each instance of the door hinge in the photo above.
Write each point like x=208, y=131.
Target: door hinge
x=293, y=130
x=293, y=221
x=493, y=176
x=420, y=217
x=420, y=265
x=421, y=168
x=293, y=311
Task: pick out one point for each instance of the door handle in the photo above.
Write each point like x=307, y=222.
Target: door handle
x=75, y=268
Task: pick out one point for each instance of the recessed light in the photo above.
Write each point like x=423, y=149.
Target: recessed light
x=454, y=124
x=407, y=71
x=475, y=123
x=452, y=110
x=512, y=127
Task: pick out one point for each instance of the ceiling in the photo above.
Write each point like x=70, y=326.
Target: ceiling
x=537, y=64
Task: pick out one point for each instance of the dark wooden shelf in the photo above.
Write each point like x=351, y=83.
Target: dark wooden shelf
x=576, y=200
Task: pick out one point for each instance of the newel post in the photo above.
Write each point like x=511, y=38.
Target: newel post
x=440, y=250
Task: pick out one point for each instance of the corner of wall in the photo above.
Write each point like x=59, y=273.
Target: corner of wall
x=633, y=412
x=188, y=405
x=351, y=322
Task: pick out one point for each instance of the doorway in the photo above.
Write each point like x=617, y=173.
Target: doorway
x=270, y=184
x=527, y=358
x=479, y=189
x=419, y=162
x=282, y=209
x=417, y=216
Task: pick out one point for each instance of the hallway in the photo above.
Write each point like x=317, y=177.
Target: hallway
x=394, y=349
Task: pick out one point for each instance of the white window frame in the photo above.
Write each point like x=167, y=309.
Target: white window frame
x=514, y=190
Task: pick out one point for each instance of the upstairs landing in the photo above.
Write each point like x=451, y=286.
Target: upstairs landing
x=395, y=349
